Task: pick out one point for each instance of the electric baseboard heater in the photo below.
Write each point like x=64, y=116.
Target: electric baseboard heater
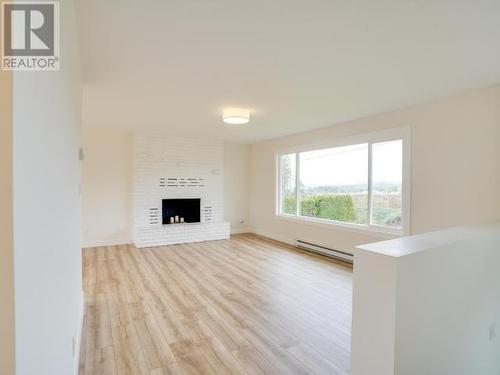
x=342, y=255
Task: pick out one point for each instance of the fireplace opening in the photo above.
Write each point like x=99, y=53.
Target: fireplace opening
x=181, y=210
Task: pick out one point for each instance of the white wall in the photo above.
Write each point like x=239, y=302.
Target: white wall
x=107, y=187
x=7, y=357
x=455, y=144
x=236, y=185
x=435, y=308
x=47, y=241
x=455, y=153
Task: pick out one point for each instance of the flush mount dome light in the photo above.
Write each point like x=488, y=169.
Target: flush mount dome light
x=236, y=116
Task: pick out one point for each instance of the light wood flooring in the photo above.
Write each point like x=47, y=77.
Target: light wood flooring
x=239, y=306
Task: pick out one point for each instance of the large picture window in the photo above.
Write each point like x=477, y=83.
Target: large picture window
x=359, y=184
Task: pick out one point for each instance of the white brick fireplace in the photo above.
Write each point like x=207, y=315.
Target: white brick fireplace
x=170, y=168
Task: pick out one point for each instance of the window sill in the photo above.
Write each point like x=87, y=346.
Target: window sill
x=361, y=229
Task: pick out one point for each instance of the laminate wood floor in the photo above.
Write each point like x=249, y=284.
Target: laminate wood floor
x=239, y=306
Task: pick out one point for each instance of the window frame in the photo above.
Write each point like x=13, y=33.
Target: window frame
x=402, y=133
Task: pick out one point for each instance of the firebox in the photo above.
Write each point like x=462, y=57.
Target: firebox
x=181, y=210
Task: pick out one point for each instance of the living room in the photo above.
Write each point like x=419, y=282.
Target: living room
x=251, y=188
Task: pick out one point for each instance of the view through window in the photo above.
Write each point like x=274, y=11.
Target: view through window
x=387, y=178
x=288, y=182
x=334, y=184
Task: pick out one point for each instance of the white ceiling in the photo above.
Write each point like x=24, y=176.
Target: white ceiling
x=173, y=65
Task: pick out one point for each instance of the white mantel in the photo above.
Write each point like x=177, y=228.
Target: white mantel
x=171, y=167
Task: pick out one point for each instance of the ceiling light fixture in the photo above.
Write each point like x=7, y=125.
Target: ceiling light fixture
x=236, y=116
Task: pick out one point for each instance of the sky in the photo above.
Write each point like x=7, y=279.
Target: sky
x=348, y=165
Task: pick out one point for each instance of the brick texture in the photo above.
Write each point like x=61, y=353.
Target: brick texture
x=172, y=167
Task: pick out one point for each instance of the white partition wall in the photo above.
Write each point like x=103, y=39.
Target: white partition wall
x=49, y=304
x=7, y=309
x=428, y=304
x=172, y=167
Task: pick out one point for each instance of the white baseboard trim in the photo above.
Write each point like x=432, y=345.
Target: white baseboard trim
x=111, y=242
x=234, y=230
x=273, y=236
x=293, y=241
x=239, y=230
x=79, y=334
